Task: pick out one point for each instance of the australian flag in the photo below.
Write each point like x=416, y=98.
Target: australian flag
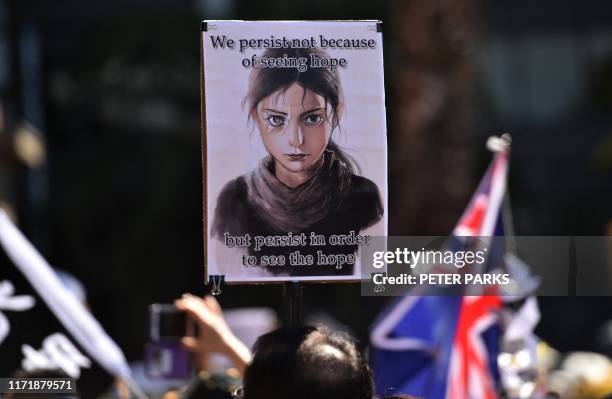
x=438, y=345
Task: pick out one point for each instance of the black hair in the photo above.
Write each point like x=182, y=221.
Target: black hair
x=320, y=80
x=307, y=363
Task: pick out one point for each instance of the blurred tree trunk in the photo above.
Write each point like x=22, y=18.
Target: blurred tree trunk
x=432, y=101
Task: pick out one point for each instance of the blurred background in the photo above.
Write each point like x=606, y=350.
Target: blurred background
x=100, y=138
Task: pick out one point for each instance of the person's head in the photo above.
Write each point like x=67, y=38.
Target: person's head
x=296, y=109
x=307, y=363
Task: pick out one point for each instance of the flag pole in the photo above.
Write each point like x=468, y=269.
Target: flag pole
x=134, y=387
x=498, y=144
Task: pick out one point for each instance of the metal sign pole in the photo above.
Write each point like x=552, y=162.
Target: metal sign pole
x=293, y=290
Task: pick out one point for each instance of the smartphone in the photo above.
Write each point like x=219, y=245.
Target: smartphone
x=165, y=356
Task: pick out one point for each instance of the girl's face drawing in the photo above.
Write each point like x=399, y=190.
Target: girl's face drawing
x=295, y=127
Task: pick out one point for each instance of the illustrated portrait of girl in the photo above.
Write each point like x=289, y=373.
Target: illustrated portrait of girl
x=306, y=183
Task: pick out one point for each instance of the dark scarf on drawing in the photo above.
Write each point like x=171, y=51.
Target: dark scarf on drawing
x=296, y=209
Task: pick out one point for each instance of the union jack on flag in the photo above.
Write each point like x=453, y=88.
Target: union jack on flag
x=442, y=346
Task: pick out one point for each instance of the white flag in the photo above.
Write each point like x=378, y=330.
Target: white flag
x=67, y=308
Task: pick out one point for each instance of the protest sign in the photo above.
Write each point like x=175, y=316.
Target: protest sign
x=294, y=148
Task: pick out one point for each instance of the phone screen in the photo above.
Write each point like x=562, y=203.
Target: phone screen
x=166, y=322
